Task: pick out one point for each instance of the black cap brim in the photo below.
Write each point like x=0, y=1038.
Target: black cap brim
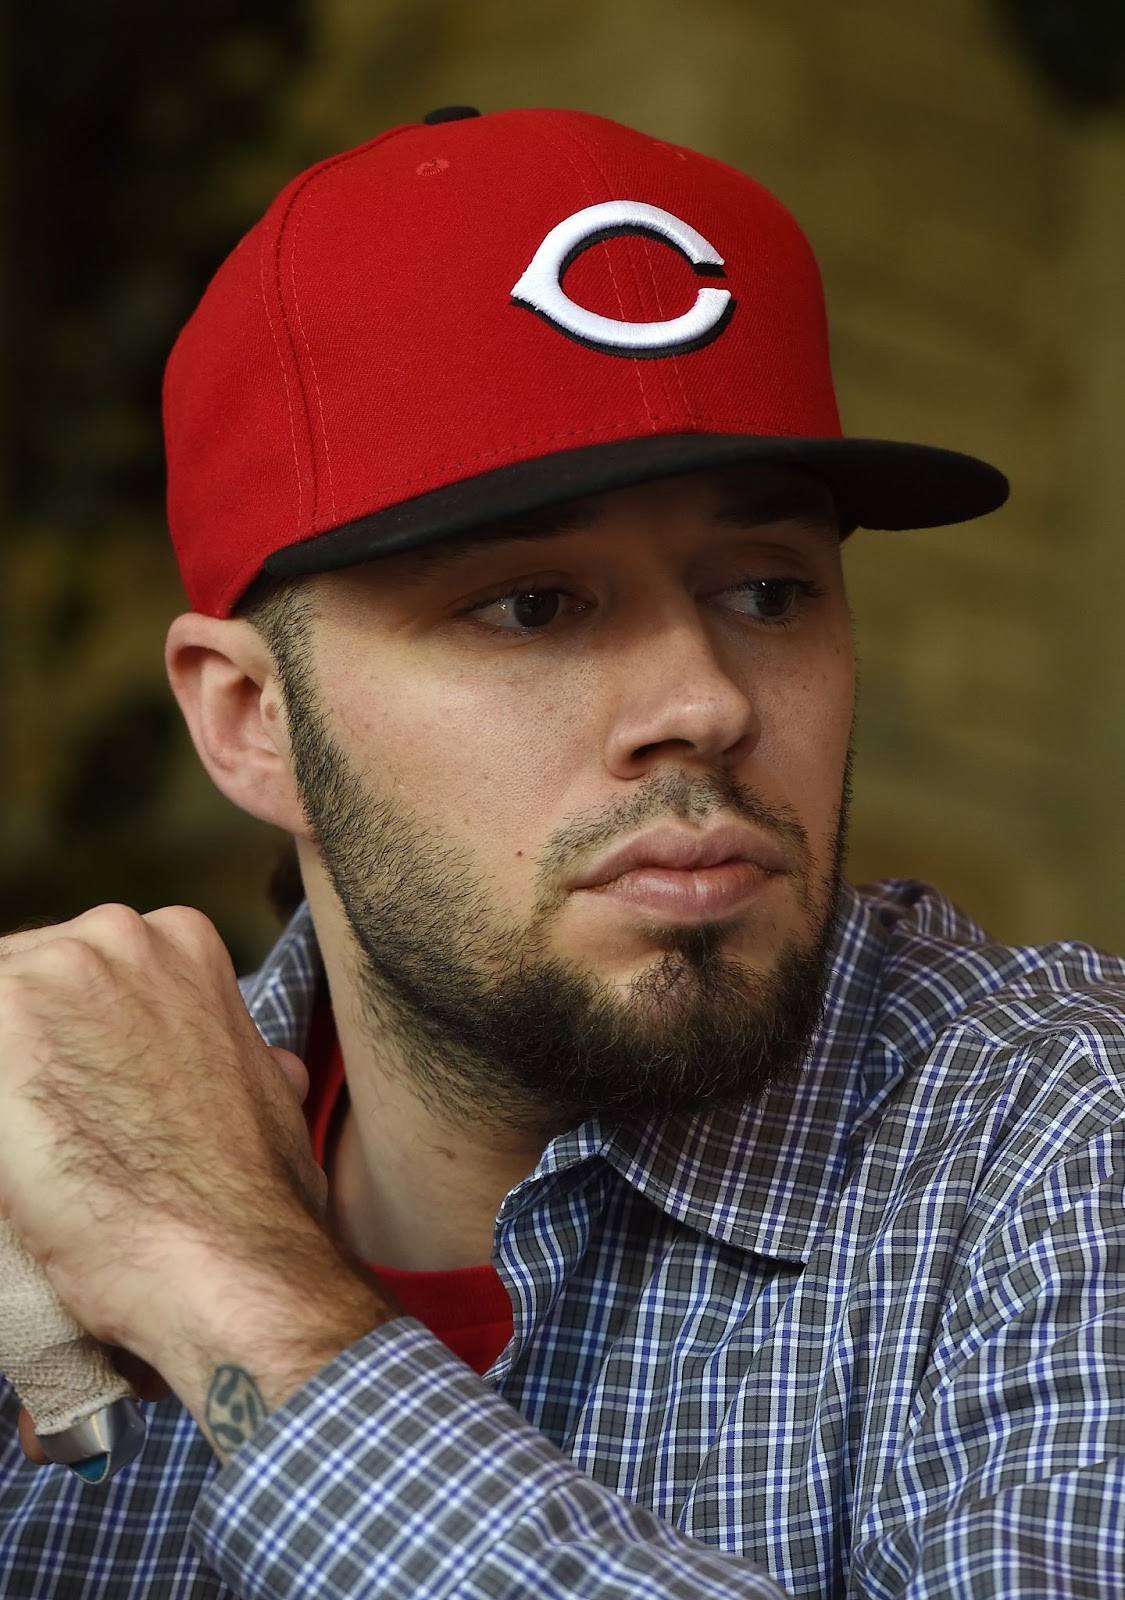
x=875, y=483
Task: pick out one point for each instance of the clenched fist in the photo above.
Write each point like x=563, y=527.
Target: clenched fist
x=154, y=1158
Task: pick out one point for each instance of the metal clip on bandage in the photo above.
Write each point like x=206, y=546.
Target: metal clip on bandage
x=84, y=1413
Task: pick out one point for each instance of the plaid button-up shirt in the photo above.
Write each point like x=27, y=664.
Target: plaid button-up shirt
x=864, y=1338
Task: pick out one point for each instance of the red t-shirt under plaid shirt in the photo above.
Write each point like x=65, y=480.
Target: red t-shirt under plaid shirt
x=467, y=1308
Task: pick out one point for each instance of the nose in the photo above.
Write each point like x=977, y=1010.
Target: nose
x=676, y=700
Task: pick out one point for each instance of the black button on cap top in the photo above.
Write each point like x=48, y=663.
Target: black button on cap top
x=450, y=114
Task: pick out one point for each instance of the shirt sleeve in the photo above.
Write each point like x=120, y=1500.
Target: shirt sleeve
x=396, y=1472
x=1010, y=1479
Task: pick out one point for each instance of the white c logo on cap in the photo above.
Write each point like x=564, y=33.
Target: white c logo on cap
x=541, y=290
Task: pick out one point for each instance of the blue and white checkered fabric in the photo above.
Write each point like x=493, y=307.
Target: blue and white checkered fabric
x=866, y=1338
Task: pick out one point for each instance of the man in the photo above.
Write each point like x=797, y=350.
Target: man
x=782, y=1225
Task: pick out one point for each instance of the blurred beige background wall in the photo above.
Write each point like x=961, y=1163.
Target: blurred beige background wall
x=972, y=240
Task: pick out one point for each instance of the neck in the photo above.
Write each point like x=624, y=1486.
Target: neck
x=410, y=1185
x=407, y=1190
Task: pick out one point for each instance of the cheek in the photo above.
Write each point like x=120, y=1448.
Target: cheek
x=806, y=731
x=481, y=756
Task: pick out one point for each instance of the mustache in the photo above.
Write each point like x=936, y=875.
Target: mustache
x=671, y=794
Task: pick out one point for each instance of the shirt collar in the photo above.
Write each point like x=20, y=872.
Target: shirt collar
x=762, y=1177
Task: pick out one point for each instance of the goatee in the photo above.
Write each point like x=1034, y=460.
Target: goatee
x=495, y=1030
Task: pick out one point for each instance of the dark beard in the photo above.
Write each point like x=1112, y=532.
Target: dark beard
x=491, y=1028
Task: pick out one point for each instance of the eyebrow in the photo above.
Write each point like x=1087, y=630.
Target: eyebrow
x=745, y=512
x=752, y=511
x=546, y=523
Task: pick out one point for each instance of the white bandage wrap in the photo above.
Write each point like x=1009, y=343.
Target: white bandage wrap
x=60, y=1373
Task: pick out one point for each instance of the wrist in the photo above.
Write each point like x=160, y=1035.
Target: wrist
x=249, y=1334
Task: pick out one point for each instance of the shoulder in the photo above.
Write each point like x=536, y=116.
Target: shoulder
x=1002, y=1117
x=955, y=1002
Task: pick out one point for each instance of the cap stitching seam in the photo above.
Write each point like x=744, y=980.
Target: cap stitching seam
x=234, y=584
x=309, y=178
x=657, y=372
x=285, y=381
x=297, y=224
x=672, y=356
x=313, y=473
x=573, y=165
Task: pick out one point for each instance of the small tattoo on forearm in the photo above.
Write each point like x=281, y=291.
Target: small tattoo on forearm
x=235, y=1408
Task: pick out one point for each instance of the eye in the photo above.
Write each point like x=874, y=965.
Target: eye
x=524, y=610
x=767, y=599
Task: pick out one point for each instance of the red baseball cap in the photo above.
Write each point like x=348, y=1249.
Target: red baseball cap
x=475, y=316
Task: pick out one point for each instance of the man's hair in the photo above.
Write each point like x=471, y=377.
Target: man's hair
x=280, y=611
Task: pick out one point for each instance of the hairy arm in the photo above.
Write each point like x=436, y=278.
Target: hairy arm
x=154, y=1159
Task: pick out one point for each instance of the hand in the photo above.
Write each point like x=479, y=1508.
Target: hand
x=153, y=1157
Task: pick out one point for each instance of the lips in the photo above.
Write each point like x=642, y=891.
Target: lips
x=683, y=850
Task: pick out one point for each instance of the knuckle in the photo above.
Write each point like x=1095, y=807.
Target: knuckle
x=188, y=927
x=192, y=920
x=68, y=958
x=65, y=964
x=195, y=936
x=118, y=926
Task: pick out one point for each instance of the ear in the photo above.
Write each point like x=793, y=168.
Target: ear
x=225, y=679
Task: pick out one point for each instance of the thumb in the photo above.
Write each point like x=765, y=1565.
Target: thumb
x=294, y=1071
x=296, y=1074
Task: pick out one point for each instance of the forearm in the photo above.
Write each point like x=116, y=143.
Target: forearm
x=249, y=1335
x=396, y=1471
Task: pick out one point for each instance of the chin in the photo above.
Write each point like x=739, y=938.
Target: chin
x=753, y=942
